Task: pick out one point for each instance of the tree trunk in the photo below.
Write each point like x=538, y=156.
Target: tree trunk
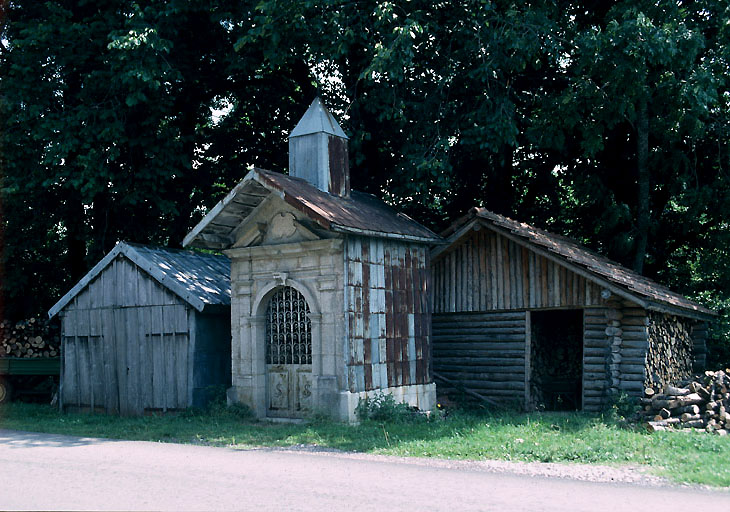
x=642, y=165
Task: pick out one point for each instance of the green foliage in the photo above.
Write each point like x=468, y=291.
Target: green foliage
x=532, y=110
x=382, y=407
x=217, y=407
x=622, y=407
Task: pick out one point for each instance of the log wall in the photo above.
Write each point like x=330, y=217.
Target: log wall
x=486, y=271
x=483, y=351
x=596, y=349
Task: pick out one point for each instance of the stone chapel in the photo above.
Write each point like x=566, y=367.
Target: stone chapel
x=330, y=287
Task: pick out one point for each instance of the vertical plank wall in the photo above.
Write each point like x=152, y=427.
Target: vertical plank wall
x=487, y=272
x=483, y=288
x=125, y=344
x=388, y=314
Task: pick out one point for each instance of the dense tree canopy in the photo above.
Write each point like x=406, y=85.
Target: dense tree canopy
x=605, y=121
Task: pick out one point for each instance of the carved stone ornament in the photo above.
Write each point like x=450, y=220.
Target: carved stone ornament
x=282, y=226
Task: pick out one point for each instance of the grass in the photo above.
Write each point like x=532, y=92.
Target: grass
x=695, y=458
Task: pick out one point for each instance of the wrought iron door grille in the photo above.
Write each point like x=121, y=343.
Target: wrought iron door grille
x=288, y=328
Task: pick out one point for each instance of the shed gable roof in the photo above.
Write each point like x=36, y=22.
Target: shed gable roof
x=643, y=290
x=199, y=279
x=361, y=213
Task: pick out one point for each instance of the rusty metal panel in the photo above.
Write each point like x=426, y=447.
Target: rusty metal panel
x=339, y=166
x=389, y=314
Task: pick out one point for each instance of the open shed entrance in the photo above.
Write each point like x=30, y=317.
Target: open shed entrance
x=556, y=359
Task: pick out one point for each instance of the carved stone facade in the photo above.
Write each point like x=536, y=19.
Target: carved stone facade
x=289, y=257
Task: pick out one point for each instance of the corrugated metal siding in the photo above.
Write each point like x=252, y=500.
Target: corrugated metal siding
x=487, y=271
x=388, y=314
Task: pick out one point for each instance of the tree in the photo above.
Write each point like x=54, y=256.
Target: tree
x=107, y=128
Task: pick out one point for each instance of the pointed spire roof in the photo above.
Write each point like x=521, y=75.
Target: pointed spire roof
x=317, y=119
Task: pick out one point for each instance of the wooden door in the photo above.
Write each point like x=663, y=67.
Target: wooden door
x=288, y=354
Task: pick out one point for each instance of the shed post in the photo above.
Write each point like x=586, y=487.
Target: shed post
x=528, y=349
x=192, y=338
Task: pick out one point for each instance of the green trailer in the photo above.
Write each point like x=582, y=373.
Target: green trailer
x=28, y=376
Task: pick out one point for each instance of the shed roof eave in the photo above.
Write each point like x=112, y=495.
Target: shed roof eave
x=381, y=234
x=193, y=236
x=675, y=310
x=466, y=223
x=84, y=281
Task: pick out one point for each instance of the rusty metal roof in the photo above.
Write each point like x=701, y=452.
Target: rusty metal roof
x=643, y=290
x=199, y=279
x=361, y=213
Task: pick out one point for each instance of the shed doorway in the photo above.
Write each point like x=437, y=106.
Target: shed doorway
x=288, y=354
x=556, y=359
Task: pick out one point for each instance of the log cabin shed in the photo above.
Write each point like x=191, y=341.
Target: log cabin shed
x=330, y=287
x=146, y=329
x=534, y=319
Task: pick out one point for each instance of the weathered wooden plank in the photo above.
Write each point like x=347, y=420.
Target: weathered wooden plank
x=478, y=384
x=97, y=373
x=496, y=315
x=499, y=340
x=513, y=369
x=524, y=274
x=499, y=272
x=131, y=345
x=83, y=367
x=492, y=331
x=158, y=371
x=471, y=282
x=111, y=391
x=595, y=343
x=480, y=352
x=496, y=360
x=513, y=283
x=71, y=372
x=484, y=280
x=170, y=364
x=120, y=333
x=145, y=361
x=181, y=370
x=528, y=361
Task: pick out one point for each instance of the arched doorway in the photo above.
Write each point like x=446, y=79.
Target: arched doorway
x=288, y=354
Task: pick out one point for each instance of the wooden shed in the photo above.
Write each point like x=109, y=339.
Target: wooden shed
x=532, y=318
x=147, y=329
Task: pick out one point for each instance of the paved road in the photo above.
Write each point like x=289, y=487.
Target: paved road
x=48, y=472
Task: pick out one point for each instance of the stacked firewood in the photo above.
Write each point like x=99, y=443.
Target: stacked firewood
x=702, y=403
x=669, y=357
x=29, y=338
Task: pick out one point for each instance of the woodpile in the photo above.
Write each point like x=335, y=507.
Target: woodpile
x=701, y=403
x=29, y=338
x=670, y=353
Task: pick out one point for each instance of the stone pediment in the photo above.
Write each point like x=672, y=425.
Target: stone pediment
x=274, y=223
